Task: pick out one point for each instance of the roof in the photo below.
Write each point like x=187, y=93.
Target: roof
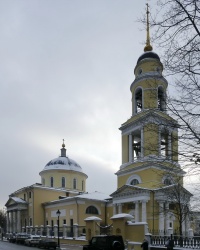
x=148, y=54
x=63, y=163
x=94, y=196
x=97, y=196
x=18, y=200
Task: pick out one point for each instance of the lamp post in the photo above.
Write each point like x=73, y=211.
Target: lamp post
x=58, y=214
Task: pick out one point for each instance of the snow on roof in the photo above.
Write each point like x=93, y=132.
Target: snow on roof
x=93, y=218
x=64, y=163
x=94, y=196
x=122, y=215
x=19, y=200
x=90, y=196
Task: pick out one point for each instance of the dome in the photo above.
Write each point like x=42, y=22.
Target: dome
x=63, y=163
x=148, y=55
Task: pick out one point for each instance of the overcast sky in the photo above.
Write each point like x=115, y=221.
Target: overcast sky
x=66, y=67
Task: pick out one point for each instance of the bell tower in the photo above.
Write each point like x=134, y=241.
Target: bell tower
x=150, y=136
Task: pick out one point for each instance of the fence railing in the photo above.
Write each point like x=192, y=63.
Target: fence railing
x=64, y=231
x=179, y=241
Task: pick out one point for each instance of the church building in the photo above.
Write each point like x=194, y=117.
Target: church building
x=149, y=180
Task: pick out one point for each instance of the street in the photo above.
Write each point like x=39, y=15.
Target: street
x=5, y=245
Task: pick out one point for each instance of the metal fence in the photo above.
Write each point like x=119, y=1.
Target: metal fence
x=64, y=231
x=179, y=241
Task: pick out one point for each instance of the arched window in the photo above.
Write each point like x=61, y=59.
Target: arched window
x=161, y=99
x=164, y=147
x=134, y=182
x=43, y=181
x=91, y=210
x=63, y=182
x=167, y=181
x=140, y=71
x=82, y=185
x=138, y=100
x=51, y=182
x=74, y=183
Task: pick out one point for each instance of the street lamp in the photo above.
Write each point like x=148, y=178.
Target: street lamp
x=58, y=214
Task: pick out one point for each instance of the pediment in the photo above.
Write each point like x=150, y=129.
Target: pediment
x=129, y=189
x=172, y=192
x=146, y=117
x=13, y=201
x=129, y=193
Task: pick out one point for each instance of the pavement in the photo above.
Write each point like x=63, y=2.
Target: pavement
x=70, y=247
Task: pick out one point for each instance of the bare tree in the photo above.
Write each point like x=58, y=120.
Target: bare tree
x=177, y=34
x=3, y=220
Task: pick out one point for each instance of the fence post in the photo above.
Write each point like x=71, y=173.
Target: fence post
x=41, y=230
x=64, y=230
x=75, y=230
x=55, y=230
x=48, y=230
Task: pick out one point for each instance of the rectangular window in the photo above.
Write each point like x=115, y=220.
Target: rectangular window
x=171, y=206
x=63, y=182
x=74, y=183
x=29, y=195
x=64, y=222
x=51, y=182
x=131, y=206
x=25, y=197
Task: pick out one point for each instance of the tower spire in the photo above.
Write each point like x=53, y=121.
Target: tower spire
x=148, y=46
x=63, y=149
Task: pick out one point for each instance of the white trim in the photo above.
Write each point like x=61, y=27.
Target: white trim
x=132, y=177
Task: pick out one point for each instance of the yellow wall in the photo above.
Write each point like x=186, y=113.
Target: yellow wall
x=124, y=149
x=76, y=209
x=69, y=176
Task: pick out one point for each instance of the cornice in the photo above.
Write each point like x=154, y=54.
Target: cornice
x=150, y=116
x=131, y=196
x=150, y=164
x=149, y=75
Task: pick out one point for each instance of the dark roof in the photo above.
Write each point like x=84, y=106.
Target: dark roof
x=148, y=54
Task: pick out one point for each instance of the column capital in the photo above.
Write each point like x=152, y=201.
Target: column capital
x=144, y=201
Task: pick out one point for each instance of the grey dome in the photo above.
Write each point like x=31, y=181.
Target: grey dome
x=148, y=54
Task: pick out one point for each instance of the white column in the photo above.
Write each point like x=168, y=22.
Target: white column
x=159, y=141
x=8, y=222
x=142, y=142
x=136, y=211
x=18, y=221
x=114, y=209
x=170, y=145
x=161, y=218
x=167, y=217
x=14, y=222
x=144, y=211
x=119, y=208
x=187, y=225
x=130, y=148
x=11, y=222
